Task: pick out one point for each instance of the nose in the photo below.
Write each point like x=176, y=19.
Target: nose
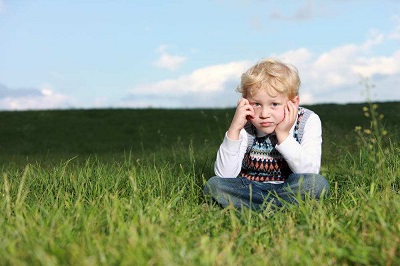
x=265, y=112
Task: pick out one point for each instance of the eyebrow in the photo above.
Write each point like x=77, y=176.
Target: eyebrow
x=272, y=99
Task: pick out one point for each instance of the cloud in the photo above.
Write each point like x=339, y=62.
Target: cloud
x=207, y=79
x=381, y=65
x=335, y=75
x=332, y=76
x=32, y=98
x=22, y=92
x=204, y=87
x=395, y=34
x=2, y=6
x=168, y=61
x=304, y=12
x=151, y=100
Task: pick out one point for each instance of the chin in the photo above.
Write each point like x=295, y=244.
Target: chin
x=267, y=131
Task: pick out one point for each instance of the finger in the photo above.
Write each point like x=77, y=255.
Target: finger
x=291, y=113
x=294, y=108
x=246, y=102
x=248, y=113
x=288, y=113
x=251, y=113
x=251, y=108
x=290, y=104
x=290, y=107
x=247, y=109
x=243, y=101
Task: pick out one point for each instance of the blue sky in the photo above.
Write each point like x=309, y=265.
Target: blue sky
x=191, y=53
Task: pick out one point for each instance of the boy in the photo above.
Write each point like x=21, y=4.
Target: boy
x=272, y=149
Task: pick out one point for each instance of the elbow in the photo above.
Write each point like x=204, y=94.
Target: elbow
x=217, y=172
x=226, y=173
x=311, y=167
x=314, y=167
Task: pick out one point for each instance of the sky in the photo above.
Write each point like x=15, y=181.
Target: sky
x=191, y=53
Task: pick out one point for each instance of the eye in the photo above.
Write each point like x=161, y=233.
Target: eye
x=275, y=104
x=255, y=105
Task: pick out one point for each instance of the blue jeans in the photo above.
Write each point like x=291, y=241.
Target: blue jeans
x=252, y=194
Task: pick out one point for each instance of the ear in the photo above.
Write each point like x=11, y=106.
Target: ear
x=296, y=101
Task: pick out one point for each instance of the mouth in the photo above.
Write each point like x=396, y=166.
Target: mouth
x=266, y=124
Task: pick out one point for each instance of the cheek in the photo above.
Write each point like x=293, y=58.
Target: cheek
x=251, y=119
x=280, y=115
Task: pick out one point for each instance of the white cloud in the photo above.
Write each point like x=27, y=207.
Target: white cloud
x=168, y=61
x=207, y=79
x=212, y=86
x=47, y=92
x=335, y=75
x=381, y=65
x=55, y=101
x=395, y=34
x=32, y=99
x=332, y=76
x=100, y=102
x=374, y=38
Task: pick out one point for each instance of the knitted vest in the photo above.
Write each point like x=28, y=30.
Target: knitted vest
x=262, y=162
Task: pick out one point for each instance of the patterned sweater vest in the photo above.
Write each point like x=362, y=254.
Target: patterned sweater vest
x=262, y=162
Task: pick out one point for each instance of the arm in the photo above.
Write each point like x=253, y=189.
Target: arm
x=230, y=156
x=243, y=111
x=233, y=147
x=304, y=157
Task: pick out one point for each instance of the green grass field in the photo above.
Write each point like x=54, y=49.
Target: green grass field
x=124, y=187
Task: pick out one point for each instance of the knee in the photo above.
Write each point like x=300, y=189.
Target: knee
x=320, y=187
x=211, y=185
x=314, y=184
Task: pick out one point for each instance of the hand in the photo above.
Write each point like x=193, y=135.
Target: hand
x=290, y=116
x=243, y=111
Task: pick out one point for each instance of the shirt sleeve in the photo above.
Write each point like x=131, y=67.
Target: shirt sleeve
x=304, y=157
x=230, y=156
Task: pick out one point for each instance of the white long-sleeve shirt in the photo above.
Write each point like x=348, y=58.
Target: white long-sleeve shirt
x=304, y=157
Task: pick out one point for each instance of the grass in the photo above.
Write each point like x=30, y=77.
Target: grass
x=124, y=187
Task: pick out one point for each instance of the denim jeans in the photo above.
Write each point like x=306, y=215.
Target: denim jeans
x=252, y=194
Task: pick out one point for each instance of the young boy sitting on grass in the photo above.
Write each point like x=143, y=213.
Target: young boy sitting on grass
x=272, y=149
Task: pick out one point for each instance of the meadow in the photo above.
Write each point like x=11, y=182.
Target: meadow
x=124, y=187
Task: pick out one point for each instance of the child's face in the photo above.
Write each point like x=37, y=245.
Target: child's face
x=269, y=110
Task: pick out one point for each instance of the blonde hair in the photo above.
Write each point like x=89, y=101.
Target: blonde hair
x=272, y=75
